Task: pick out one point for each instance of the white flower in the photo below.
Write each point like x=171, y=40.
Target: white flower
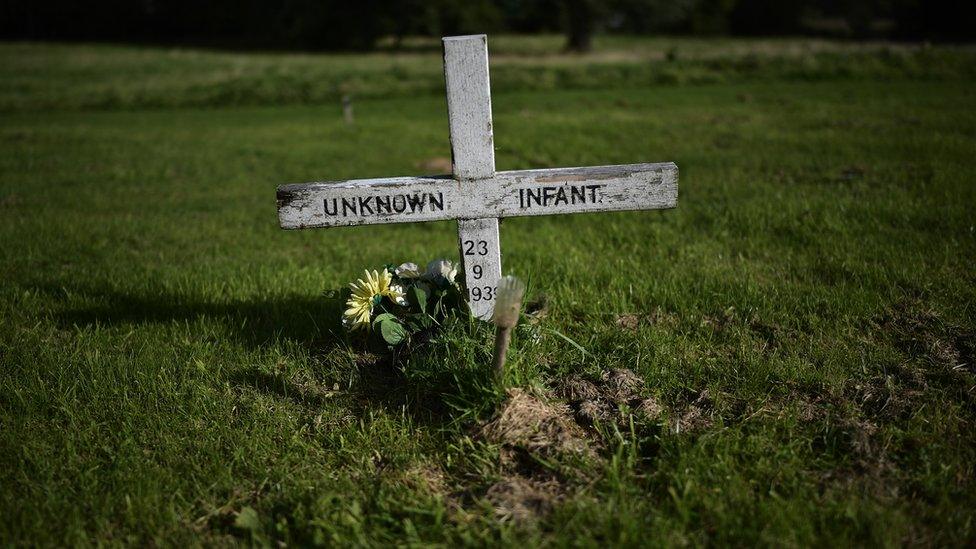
x=408, y=270
x=398, y=295
x=441, y=269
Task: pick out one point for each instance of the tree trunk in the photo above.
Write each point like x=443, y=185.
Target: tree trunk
x=580, y=15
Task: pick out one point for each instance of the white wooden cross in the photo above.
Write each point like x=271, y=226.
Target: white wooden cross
x=476, y=195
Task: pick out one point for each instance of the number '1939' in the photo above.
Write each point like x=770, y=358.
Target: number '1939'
x=482, y=293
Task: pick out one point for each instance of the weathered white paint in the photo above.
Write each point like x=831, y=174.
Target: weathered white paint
x=476, y=195
x=480, y=250
x=507, y=194
x=488, y=266
x=473, y=154
x=469, y=106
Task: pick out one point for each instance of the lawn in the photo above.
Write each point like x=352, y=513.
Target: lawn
x=787, y=358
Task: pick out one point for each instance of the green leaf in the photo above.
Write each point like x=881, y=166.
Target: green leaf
x=382, y=317
x=247, y=519
x=418, y=298
x=392, y=332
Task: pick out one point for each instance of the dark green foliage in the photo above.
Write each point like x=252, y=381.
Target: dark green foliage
x=390, y=329
x=344, y=25
x=423, y=304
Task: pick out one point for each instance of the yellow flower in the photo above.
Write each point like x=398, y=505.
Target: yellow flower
x=366, y=294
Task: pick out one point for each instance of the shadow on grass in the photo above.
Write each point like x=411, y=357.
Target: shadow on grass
x=441, y=397
x=305, y=393
x=255, y=322
x=428, y=382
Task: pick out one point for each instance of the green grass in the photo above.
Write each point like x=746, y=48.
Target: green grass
x=171, y=372
x=37, y=77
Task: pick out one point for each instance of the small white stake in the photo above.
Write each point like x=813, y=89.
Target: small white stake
x=508, y=305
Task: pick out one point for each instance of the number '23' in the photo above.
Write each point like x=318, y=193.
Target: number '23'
x=475, y=248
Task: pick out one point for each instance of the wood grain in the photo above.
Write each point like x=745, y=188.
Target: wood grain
x=469, y=106
x=623, y=187
x=473, y=154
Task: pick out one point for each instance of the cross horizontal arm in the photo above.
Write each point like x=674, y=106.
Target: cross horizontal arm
x=507, y=194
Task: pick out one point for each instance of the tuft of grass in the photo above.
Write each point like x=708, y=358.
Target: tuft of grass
x=799, y=331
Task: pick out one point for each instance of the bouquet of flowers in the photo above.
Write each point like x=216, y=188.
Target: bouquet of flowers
x=396, y=303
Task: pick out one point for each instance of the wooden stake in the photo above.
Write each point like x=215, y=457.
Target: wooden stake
x=503, y=336
x=347, y=114
x=505, y=316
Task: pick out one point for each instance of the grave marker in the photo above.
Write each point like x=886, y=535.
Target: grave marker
x=476, y=195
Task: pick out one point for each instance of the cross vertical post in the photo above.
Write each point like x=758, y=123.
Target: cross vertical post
x=473, y=154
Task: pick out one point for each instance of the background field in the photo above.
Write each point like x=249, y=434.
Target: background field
x=171, y=371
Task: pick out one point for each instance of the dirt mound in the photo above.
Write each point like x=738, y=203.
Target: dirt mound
x=602, y=401
x=520, y=499
x=535, y=435
x=921, y=333
x=630, y=322
x=696, y=416
x=938, y=354
x=529, y=423
x=428, y=478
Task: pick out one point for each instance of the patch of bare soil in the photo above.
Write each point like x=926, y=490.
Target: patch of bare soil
x=429, y=478
x=628, y=322
x=845, y=420
x=718, y=323
x=521, y=499
x=696, y=416
x=536, y=435
x=631, y=321
x=920, y=332
x=526, y=422
x=537, y=309
x=531, y=432
x=770, y=334
x=940, y=354
x=607, y=400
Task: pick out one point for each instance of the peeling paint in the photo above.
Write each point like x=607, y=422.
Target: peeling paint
x=628, y=187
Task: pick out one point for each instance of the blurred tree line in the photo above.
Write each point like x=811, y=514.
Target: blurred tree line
x=358, y=24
